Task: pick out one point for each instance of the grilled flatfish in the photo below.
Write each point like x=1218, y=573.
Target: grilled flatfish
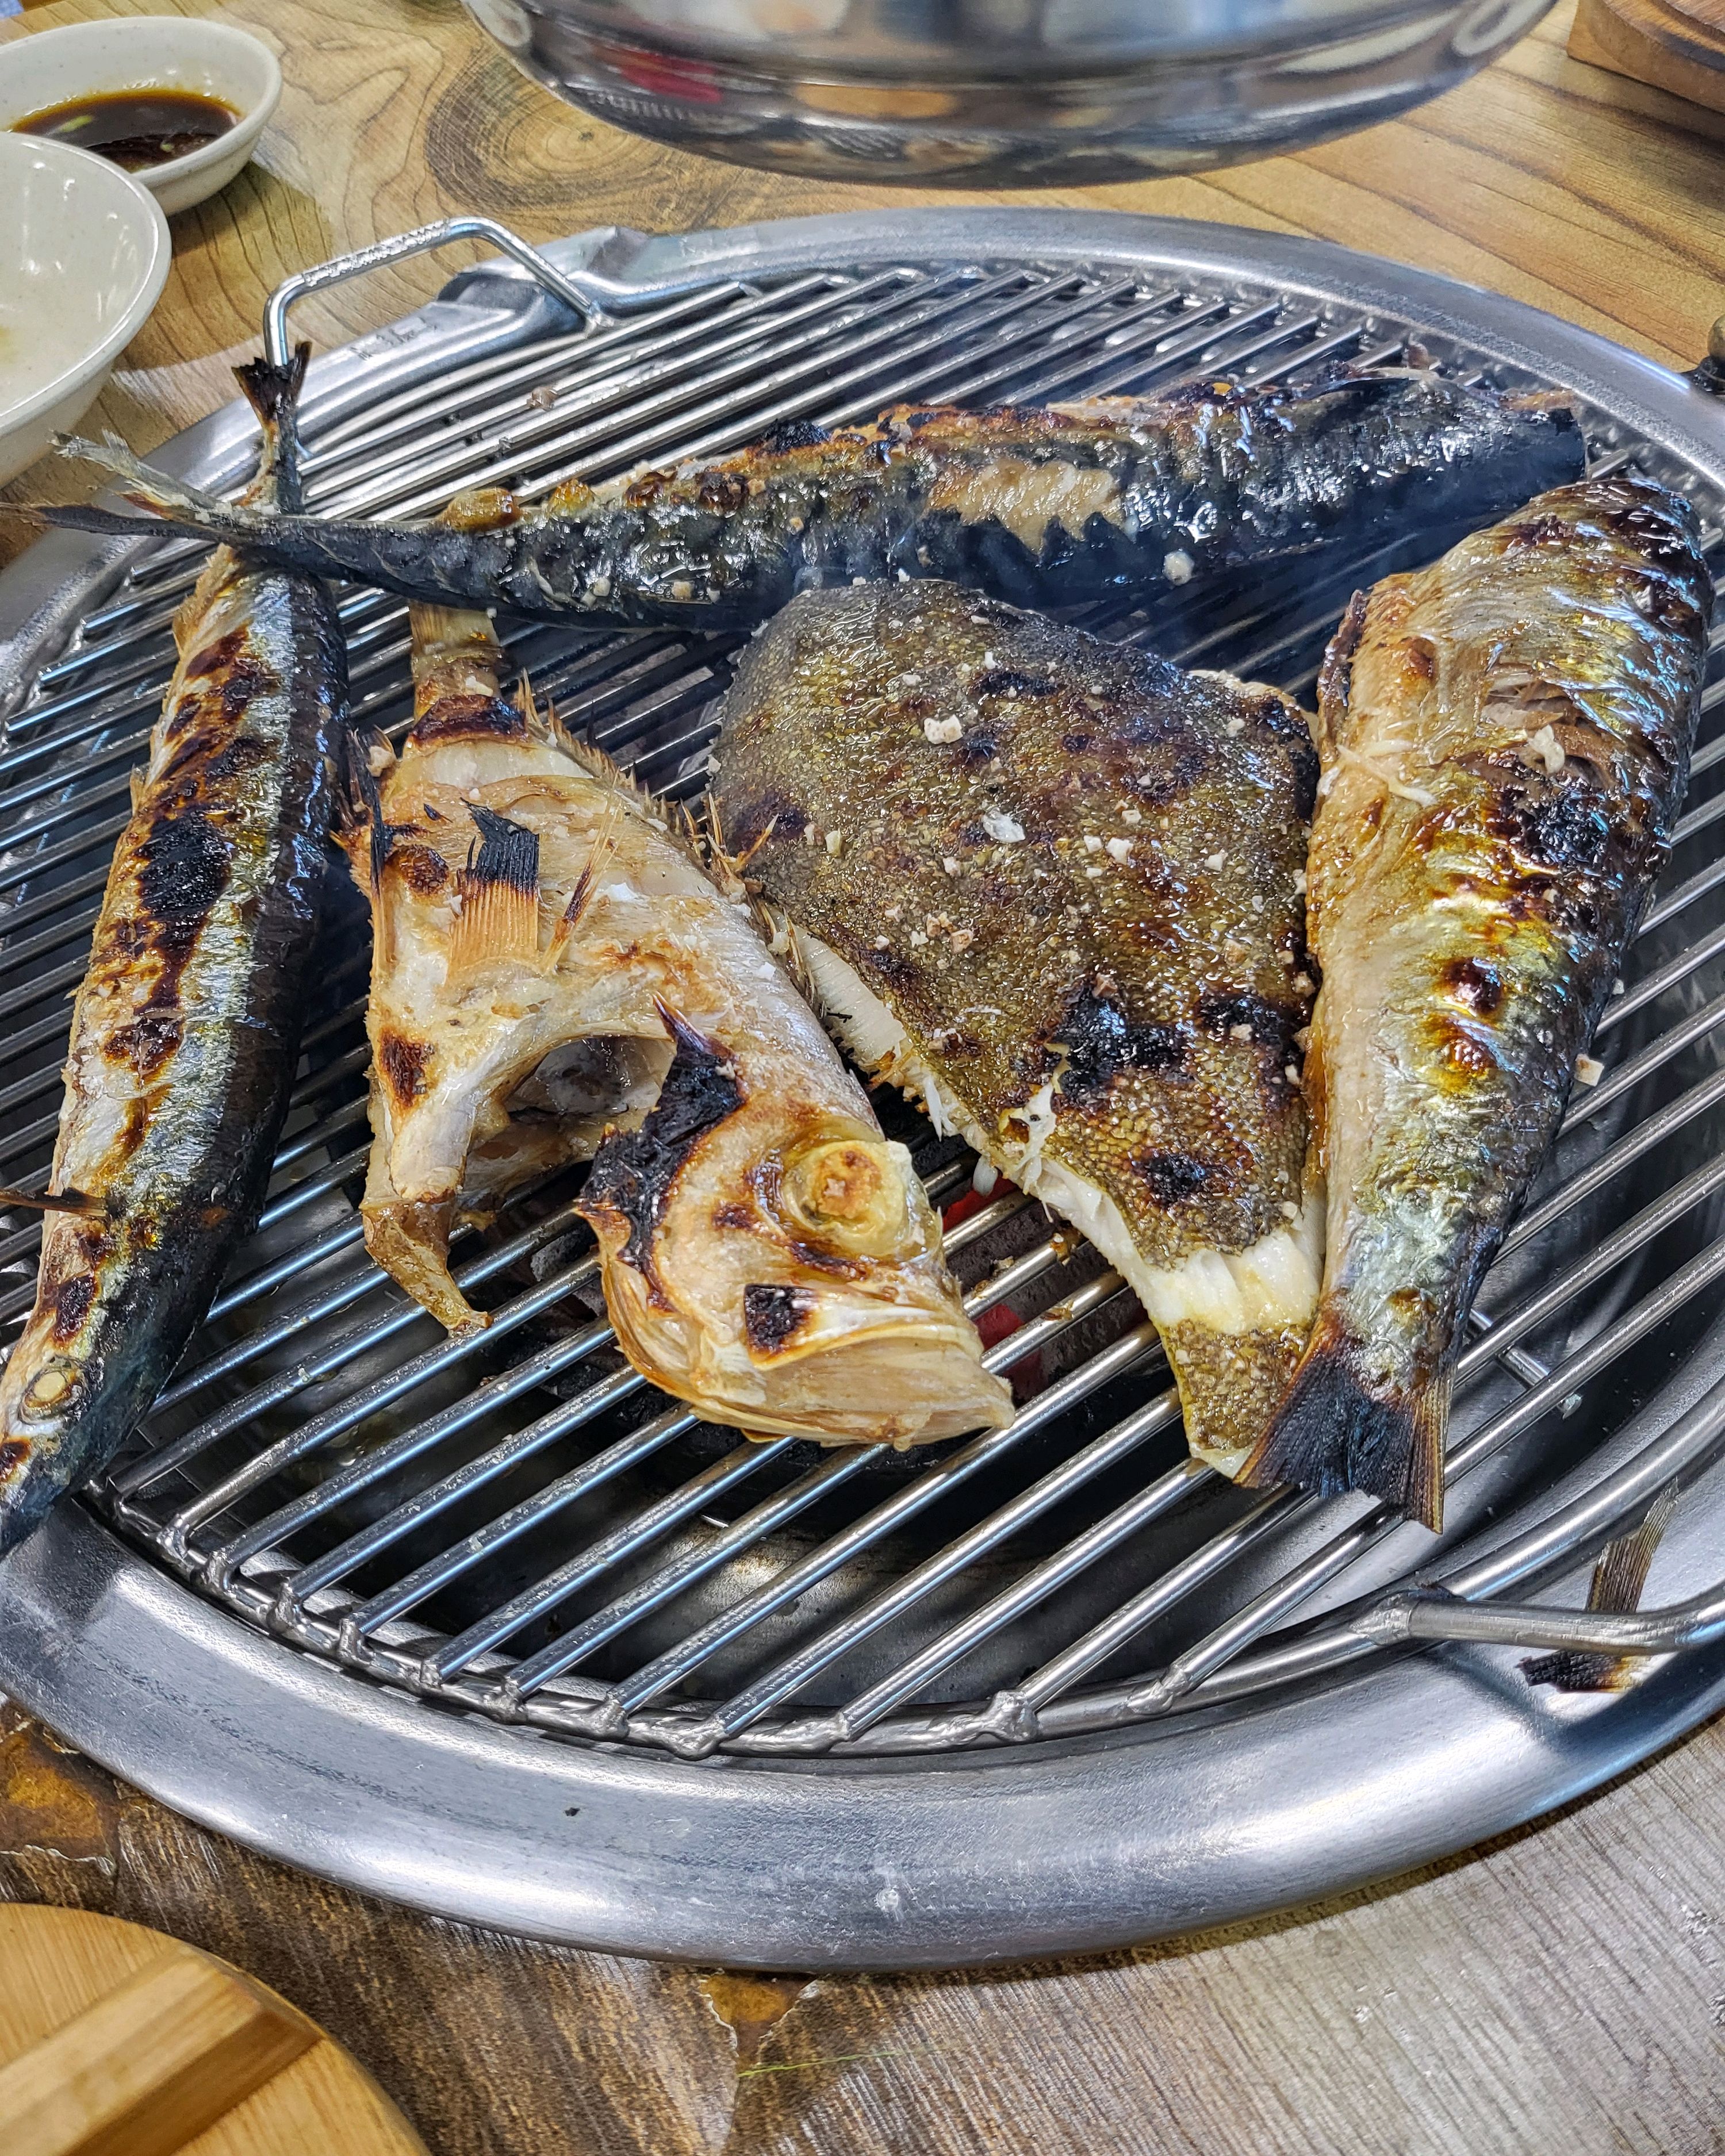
x=1505, y=739
x=1052, y=885
x=554, y=977
x=1038, y=506
x=185, y=1033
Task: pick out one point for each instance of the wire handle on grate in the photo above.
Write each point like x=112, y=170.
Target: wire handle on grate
x=420, y=241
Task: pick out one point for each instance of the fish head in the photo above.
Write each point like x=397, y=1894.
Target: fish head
x=769, y=1256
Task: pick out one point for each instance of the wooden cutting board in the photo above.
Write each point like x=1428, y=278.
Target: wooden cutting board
x=119, y=2041
x=1677, y=45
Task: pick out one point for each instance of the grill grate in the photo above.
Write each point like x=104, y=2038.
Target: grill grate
x=517, y=1525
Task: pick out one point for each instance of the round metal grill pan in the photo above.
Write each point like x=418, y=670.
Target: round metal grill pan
x=491, y=1626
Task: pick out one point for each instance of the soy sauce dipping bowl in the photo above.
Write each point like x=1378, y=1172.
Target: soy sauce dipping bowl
x=151, y=52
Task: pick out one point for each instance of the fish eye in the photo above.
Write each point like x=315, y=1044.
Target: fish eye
x=848, y=1191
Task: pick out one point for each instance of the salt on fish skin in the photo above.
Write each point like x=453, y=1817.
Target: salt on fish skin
x=1064, y=911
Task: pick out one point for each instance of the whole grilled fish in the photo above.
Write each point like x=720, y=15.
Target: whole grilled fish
x=1038, y=506
x=556, y=977
x=1052, y=884
x=185, y=1033
x=1505, y=739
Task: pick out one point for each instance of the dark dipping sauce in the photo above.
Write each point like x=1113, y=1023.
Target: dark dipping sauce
x=136, y=129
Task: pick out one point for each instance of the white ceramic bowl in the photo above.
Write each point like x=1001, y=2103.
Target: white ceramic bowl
x=83, y=256
x=151, y=52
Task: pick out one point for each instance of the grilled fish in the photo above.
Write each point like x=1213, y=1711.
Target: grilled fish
x=185, y=1032
x=1505, y=739
x=1051, y=886
x=556, y=977
x=1037, y=506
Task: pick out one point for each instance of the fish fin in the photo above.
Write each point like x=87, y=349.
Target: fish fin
x=1230, y=1385
x=499, y=919
x=52, y=1201
x=171, y=500
x=1619, y=1582
x=1333, y=1433
x=604, y=845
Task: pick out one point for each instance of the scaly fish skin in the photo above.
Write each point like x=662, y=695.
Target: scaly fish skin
x=556, y=977
x=1051, y=884
x=1038, y=506
x=1506, y=740
x=185, y=1031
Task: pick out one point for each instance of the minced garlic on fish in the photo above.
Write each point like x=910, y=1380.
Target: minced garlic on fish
x=1506, y=741
x=1064, y=913
x=554, y=977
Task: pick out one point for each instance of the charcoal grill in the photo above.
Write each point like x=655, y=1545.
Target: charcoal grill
x=490, y=1627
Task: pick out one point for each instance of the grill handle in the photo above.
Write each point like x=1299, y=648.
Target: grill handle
x=420, y=241
x=1430, y=1614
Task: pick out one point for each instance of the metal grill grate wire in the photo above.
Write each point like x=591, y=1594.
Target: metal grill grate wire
x=517, y=1524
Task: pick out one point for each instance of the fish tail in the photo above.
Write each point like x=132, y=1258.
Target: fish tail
x=1335, y=1431
x=170, y=501
x=273, y=394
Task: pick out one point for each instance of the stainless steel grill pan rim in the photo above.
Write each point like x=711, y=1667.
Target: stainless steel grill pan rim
x=1250, y=1799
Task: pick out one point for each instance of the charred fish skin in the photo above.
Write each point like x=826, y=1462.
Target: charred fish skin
x=541, y=933
x=1051, y=884
x=185, y=1032
x=1037, y=506
x=1506, y=740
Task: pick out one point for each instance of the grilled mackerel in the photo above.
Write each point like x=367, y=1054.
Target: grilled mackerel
x=1505, y=739
x=185, y=1033
x=1051, y=886
x=1037, y=506
x=554, y=977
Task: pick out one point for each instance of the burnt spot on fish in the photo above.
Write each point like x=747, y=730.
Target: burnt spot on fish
x=1474, y=982
x=772, y=810
x=72, y=1300
x=1008, y=681
x=733, y=1214
x=1566, y=827
x=423, y=869
x=504, y=853
x=772, y=1316
x=632, y=1173
x=186, y=867
x=402, y=1063
x=1098, y=1042
x=1172, y=1179
x=473, y=717
x=794, y=435
x=152, y=1036
x=978, y=748
x=1223, y=1014
x=213, y=658
x=14, y=1452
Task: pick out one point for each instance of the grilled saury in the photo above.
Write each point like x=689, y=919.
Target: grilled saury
x=1051, y=884
x=1505, y=740
x=556, y=977
x=1038, y=506
x=185, y=1031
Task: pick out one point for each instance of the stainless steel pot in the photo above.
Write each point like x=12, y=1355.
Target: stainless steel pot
x=1016, y=92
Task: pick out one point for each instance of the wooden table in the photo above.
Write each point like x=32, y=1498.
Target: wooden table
x=1561, y=1993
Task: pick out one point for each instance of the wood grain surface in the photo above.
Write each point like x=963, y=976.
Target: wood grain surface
x=1559, y=1993
x=142, y=2046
